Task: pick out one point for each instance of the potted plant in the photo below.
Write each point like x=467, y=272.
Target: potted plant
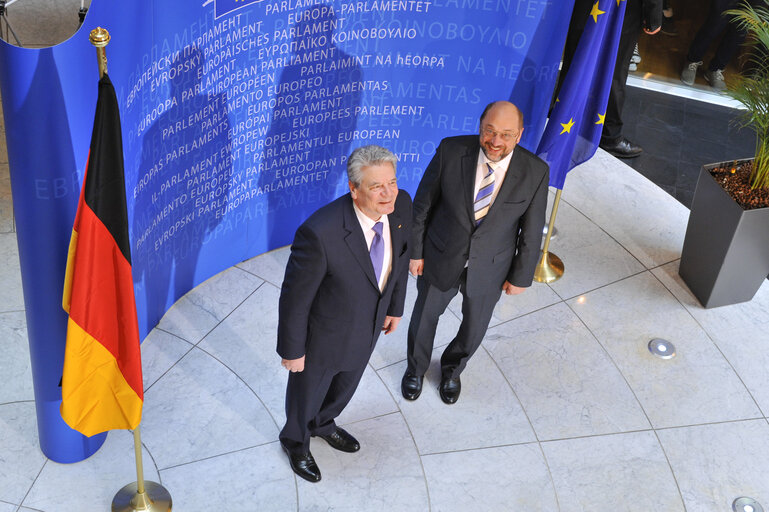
x=725, y=257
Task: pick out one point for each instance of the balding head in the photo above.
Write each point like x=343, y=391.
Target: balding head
x=501, y=129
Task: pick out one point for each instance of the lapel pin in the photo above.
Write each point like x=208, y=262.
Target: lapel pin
x=399, y=226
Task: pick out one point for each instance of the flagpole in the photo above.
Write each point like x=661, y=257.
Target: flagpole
x=139, y=496
x=550, y=266
x=99, y=37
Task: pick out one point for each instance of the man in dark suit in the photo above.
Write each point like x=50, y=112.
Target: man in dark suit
x=345, y=282
x=478, y=217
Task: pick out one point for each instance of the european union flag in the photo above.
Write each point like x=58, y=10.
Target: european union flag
x=576, y=121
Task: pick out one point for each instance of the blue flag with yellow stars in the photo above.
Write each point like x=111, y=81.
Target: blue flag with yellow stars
x=574, y=129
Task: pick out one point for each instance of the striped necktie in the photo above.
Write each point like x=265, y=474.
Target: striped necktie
x=483, y=198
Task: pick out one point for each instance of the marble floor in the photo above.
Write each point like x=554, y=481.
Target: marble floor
x=563, y=408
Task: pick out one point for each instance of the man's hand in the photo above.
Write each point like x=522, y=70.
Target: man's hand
x=293, y=365
x=391, y=323
x=512, y=290
x=416, y=267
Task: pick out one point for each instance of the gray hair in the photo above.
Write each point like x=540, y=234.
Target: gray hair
x=366, y=156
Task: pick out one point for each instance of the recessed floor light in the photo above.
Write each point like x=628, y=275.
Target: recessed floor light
x=745, y=504
x=662, y=348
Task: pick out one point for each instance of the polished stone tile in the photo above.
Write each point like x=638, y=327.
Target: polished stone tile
x=384, y=475
x=486, y=414
x=254, y=479
x=245, y=342
x=6, y=200
x=15, y=366
x=160, y=351
x=591, y=258
x=92, y=483
x=630, y=208
x=503, y=478
x=675, y=392
x=200, y=310
x=625, y=472
x=739, y=331
x=391, y=348
x=371, y=399
x=714, y=464
x=566, y=382
x=536, y=297
x=7, y=507
x=270, y=266
x=200, y=409
x=11, y=295
x=20, y=457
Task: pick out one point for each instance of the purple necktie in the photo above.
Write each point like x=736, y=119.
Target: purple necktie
x=483, y=198
x=377, y=250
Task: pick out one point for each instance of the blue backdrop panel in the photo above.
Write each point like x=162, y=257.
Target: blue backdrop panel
x=237, y=119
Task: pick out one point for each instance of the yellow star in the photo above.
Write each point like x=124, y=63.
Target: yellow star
x=595, y=12
x=618, y=1
x=601, y=118
x=567, y=126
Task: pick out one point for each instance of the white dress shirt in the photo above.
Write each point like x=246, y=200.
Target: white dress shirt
x=367, y=225
x=500, y=170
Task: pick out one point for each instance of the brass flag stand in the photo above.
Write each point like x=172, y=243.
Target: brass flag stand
x=550, y=266
x=139, y=496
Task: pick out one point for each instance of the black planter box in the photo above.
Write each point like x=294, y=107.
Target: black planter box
x=725, y=257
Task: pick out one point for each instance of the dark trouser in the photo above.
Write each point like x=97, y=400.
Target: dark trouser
x=716, y=24
x=314, y=398
x=631, y=29
x=430, y=305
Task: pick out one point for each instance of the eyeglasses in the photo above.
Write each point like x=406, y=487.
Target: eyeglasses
x=506, y=136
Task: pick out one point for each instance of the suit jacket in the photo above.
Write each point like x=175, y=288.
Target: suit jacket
x=506, y=245
x=330, y=307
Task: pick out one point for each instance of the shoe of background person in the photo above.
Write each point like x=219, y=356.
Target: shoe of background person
x=411, y=385
x=636, y=58
x=690, y=72
x=623, y=148
x=632, y=67
x=669, y=26
x=450, y=389
x=716, y=79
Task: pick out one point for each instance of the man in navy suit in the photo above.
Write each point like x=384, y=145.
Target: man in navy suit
x=345, y=282
x=479, y=211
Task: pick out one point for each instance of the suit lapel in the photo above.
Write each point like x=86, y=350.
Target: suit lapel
x=515, y=172
x=356, y=242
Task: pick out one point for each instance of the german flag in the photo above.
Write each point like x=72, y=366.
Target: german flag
x=102, y=378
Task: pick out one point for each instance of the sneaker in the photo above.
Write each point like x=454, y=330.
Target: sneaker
x=690, y=72
x=716, y=79
x=636, y=58
x=669, y=26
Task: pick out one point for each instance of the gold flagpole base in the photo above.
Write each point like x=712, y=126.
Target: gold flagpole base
x=549, y=268
x=155, y=498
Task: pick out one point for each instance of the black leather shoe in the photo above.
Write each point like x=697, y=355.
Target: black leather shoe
x=341, y=440
x=449, y=390
x=304, y=465
x=623, y=148
x=411, y=386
